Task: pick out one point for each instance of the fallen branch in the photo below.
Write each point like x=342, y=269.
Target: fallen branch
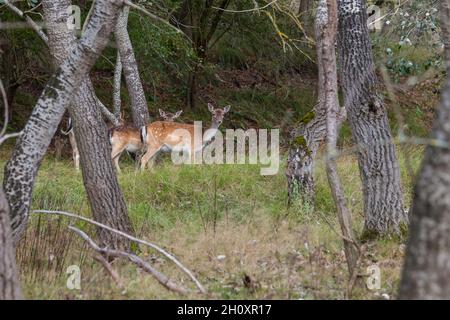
x=113, y=273
x=160, y=277
x=151, y=245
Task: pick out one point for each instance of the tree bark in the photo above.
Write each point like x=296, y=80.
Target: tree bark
x=326, y=29
x=141, y=116
x=305, y=140
x=117, y=101
x=101, y=184
x=9, y=275
x=31, y=146
x=379, y=169
x=426, y=273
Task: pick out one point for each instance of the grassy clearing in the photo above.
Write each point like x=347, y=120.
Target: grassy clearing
x=227, y=223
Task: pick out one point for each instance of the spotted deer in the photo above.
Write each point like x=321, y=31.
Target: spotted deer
x=127, y=138
x=163, y=136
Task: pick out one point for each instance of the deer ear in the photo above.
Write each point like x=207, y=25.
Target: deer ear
x=227, y=108
x=210, y=107
x=178, y=113
x=162, y=113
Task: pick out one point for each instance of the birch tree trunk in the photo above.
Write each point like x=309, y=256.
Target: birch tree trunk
x=426, y=273
x=379, y=169
x=326, y=29
x=31, y=146
x=100, y=181
x=117, y=101
x=9, y=276
x=140, y=112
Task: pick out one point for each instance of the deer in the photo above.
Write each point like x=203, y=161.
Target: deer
x=162, y=136
x=127, y=138
x=169, y=116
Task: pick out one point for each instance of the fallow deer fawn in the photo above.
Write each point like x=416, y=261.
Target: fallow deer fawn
x=128, y=138
x=163, y=136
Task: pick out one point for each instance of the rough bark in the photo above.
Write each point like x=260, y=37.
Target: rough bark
x=9, y=276
x=305, y=140
x=117, y=101
x=31, y=146
x=101, y=184
x=367, y=115
x=140, y=112
x=426, y=273
x=326, y=29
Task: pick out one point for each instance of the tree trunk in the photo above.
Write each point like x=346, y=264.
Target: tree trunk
x=9, y=276
x=426, y=273
x=31, y=146
x=305, y=140
x=117, y=101
x=103, y=190
x=140, y=112
x=379, y=169
x=326, y=29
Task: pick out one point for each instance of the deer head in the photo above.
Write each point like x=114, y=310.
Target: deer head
x=218, y=114
x=169, y=116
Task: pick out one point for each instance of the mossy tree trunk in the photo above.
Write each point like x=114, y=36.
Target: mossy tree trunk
x=305, y=140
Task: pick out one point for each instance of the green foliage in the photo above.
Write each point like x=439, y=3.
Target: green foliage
x=410, y=41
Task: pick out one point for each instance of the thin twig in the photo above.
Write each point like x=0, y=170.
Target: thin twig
x=256, y=8
x=3, y=136
x=151, y=245
x=5, y=108
x=154, y=17
x=33, y=25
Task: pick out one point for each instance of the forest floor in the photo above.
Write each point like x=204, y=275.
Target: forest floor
x=227, y=223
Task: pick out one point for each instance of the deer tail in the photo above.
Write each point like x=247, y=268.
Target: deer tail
x=143, y=133
x=69, y=128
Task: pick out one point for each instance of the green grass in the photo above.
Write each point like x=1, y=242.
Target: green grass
x=291, y=252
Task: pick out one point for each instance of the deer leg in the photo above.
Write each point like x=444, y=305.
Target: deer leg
x=75, y=153
x=151, y=152
x=115, y=155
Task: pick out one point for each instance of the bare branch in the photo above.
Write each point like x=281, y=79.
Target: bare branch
x=108, y=114
x=3, y=136
x=33, y=25
x=6, y=109
x=151, y=245
x=113, y=273
x=153, y=16
x=256, y=8
x=160, y=277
